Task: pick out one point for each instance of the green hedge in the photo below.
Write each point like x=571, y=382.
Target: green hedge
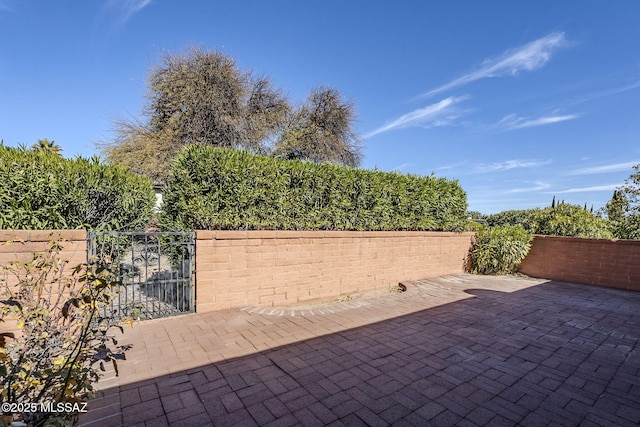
x=499, y=249
x=560, y=220
x=523, y=217
x=214, y=188
x=570, y=220
x=41, y=190
x=627, y=228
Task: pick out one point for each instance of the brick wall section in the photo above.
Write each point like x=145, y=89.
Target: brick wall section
x=18, y=245
x=602, y=262
x=274, y=268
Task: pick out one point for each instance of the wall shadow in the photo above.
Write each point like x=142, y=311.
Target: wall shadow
x=551, y=353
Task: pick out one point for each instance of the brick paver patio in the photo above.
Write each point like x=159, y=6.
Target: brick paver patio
x=456, y=350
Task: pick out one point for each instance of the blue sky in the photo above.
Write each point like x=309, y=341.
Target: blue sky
x=518, y=100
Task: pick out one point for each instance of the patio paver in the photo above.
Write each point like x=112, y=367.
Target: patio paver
x=455, y=350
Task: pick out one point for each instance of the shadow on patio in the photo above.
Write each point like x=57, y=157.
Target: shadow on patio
x=461, y=352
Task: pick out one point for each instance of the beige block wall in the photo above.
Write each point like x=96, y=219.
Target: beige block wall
x=601, y=262
x=274, y=268
x=19, y=245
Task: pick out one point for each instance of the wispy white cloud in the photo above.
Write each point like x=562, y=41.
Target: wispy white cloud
x=442, y=113
x=528, y=57
x=616, y=167
x=452, y=166
x=401, y=167
x=609, y=187
x=123, y=10
x=524, y=58
x=609, y=92
x=510, y=164
x=512, y=122
x=537, y=186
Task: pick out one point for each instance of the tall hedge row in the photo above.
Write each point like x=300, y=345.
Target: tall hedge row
x=559, y=220
x=214, y=188
x=570, y=220
x=41, y=190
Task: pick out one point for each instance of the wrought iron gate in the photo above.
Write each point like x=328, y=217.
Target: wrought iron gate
x=156, y=270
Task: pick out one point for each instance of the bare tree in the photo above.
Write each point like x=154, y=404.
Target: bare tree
x=197, y=97
x=320, y=131
x=143, y=150
x=265, y=113
x=202, y=97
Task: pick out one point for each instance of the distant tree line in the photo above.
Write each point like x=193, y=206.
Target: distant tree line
x=620, y=218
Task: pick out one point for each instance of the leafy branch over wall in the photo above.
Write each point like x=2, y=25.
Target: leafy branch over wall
x=55, y=337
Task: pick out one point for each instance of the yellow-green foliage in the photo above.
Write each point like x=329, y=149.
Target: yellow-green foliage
x=500, y=249
x=524, y=217
x=570, y=220
x=623, y=209
x=42, y=190
x=214, y=188
x=62, y=339
x=627, y=228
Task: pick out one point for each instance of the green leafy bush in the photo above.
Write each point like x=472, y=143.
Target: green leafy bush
x=62, y=339
x=499, y=250
x=623, y=210
x=560, y=220
x=627, y=228
x=41, y=190
x=214, y=188
x=570, y=220
x=523, y=217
